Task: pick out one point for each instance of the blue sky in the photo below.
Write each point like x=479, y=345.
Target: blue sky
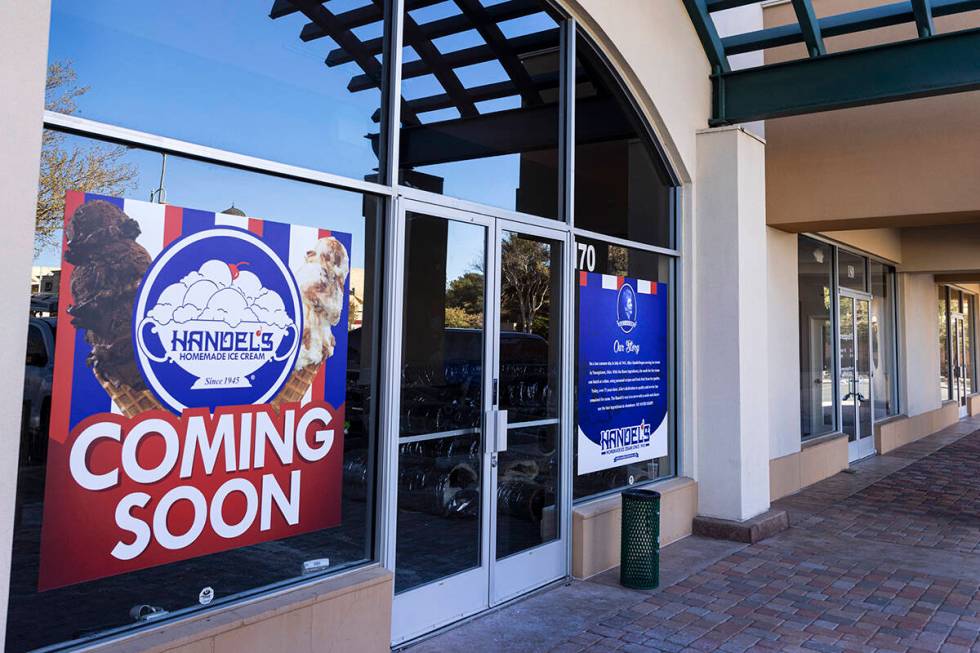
x=224, y=74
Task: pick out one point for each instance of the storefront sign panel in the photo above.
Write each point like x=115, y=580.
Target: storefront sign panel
x=622, y=371
x=199, y=386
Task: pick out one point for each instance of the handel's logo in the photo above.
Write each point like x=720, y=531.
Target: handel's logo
x=217, y=321
x=626, y=308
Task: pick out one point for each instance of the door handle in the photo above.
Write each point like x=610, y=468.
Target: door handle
x=497, y=430
x=500, y=434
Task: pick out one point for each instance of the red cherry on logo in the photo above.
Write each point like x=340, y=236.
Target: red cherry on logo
x=234, y=269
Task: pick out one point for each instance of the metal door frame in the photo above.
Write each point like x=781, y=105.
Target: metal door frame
x=957, y=330
x=412, y=609
x=549, y=561
x=856, y=450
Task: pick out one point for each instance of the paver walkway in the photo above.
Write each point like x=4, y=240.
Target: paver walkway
x=883, y=559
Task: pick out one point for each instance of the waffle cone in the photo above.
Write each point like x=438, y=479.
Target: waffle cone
x=297, y=385
x=130, y=401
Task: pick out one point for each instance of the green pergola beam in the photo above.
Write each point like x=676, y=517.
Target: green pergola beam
x=923, y=17
x=810, y=27
x=705, y=28
x=934, y=65
x=894, y=13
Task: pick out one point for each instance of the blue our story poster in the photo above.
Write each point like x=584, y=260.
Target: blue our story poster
x=622, y=371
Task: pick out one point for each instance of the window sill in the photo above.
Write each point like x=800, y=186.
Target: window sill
x=821, y=439
x=208, y=624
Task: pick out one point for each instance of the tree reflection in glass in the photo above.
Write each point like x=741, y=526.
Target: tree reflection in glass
x=527, y=472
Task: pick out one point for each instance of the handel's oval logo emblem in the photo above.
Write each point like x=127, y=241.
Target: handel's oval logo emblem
x=626, y=308
x=217, y=321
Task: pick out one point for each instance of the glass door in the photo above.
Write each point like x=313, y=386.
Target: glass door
x=441, y=470
x=479, y=456
x=528, y=549
x=855, y=387
x=960, y=372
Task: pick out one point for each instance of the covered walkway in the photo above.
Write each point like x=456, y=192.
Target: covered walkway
x=884, y=557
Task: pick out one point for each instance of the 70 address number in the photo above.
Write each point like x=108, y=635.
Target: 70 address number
x=586, y=257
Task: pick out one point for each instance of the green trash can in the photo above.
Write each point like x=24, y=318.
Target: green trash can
x=639, y=553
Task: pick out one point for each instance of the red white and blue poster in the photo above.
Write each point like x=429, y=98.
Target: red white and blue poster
x=199, y=386
x=622, y=371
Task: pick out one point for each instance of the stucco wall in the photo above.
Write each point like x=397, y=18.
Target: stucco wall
x=731, y=321
x=23, y=55
x=920, y=344
x=784, y=346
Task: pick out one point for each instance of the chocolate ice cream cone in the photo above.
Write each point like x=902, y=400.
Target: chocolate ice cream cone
x=297, y=385
x=131, y=401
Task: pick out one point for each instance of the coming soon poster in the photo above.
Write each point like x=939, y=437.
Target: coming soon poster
x=622, y=371
x=199, y=385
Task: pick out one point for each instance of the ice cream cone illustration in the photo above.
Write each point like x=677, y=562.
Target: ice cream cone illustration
x=108, y=267
x=131, y=401
x=321, y=282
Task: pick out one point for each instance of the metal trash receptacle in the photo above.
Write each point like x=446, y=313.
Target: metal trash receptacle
x=640, y=540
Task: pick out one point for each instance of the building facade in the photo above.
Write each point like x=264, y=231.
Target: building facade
x=484, y=267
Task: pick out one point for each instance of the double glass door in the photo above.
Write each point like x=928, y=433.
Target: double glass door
x=478, y=460
x=855, y=387
x=960, y=373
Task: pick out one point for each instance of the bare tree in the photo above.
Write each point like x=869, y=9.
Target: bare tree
x=67, y=166
x=526, y=278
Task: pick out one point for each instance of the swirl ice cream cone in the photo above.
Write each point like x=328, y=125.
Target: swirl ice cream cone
x=108, y=265
x=321, y=280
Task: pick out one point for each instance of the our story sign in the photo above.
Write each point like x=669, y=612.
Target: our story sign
x=622, y=371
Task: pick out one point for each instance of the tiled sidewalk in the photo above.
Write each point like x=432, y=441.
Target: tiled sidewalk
x=886, y=559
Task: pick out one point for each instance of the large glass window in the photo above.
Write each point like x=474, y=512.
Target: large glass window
x=238, y=79
x=883, y=340
x=817, y=297
x=101, y=283
x=956, y=355
x=622, y=188
x=615, y=261
x=480, y=93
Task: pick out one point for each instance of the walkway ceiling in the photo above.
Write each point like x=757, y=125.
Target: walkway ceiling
x=931, y=64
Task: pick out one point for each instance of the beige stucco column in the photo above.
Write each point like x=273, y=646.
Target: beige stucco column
x=731, y=325
x=23, y=57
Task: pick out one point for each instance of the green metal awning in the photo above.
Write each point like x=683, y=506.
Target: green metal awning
x=931, y=64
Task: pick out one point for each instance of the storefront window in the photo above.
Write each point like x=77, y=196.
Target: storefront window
x=641, y=378
x=481, y=86
x=817, y=297
x=190, y=514
x=883, y=340
x=956, y=365
x=622, y=188
x=236, y=79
